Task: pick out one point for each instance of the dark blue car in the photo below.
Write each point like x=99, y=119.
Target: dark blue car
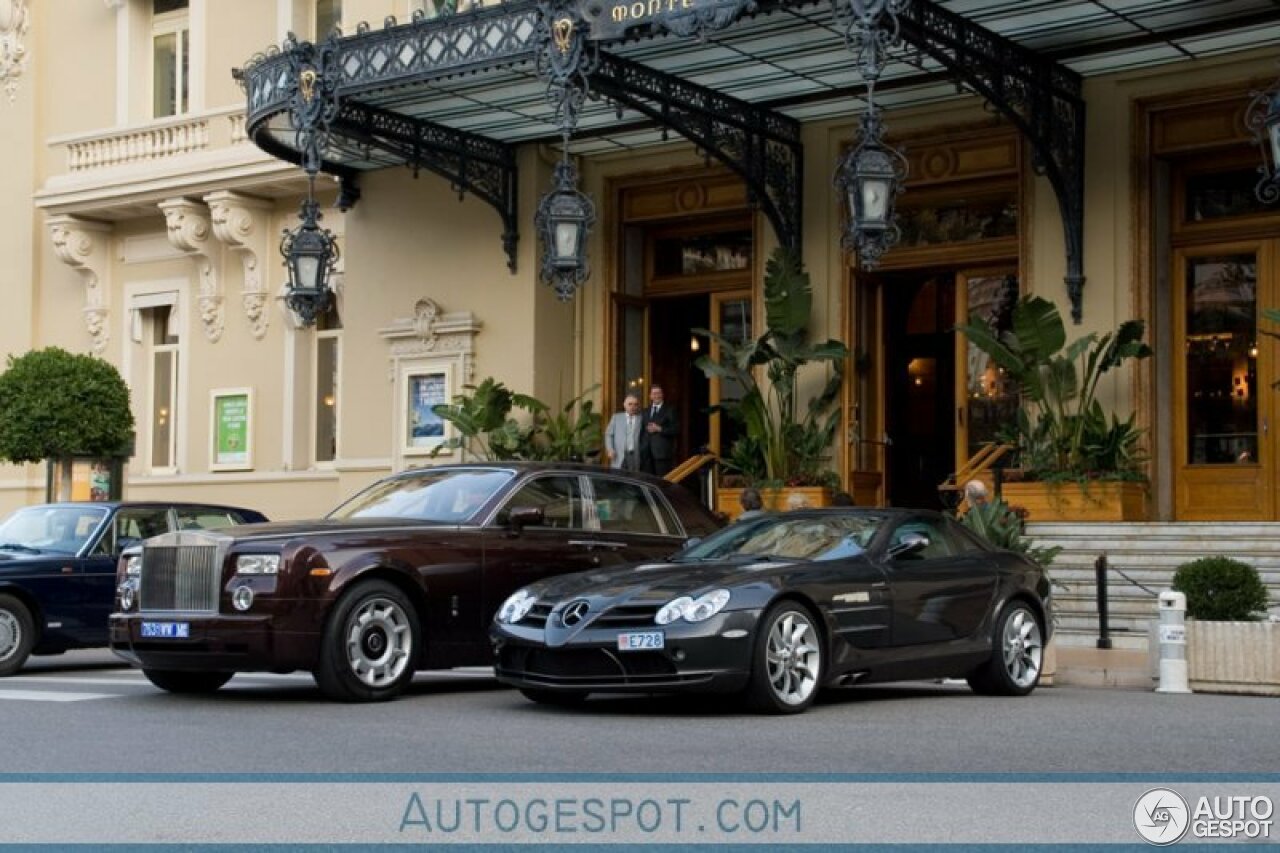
x=58, y=568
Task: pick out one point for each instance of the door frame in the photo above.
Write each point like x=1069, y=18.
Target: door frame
x=1226, y=492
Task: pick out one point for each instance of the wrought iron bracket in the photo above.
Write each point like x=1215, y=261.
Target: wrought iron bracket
x=762, y=146
x=1041, y=97
x=470, y=162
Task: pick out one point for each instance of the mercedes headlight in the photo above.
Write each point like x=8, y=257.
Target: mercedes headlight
x=257, y=564
x=516, y=607
x=689, y=609
x=133, y=566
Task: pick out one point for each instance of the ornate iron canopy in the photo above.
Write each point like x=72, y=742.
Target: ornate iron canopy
x=455, y=94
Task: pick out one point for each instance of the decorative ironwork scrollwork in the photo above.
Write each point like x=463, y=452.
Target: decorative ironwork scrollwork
x=313, y=102
x=872, y=32
x=565, y=60
x=1261, y=117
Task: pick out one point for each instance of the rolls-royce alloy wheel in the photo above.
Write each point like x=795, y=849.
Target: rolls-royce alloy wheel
x=787, y=664
x=17, y=634
x=1017, y=653
x=370, y=645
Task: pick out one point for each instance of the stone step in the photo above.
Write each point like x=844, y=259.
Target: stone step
x=1178, y=529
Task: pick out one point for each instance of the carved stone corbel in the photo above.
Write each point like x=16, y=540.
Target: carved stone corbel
x=191, y=232
x=240, y=222
x=83, y=245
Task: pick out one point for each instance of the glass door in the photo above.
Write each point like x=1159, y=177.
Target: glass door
x=1224, y=406
x=986, y=399
x=731, y=319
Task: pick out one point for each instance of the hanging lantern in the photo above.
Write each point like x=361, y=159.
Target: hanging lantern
x=871, y=177
x=564, y=219
x=310, y=256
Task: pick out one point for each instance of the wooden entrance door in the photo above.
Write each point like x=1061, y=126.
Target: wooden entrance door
x=1225, y=448
x=731, y=318
x=986, y=399
x=941, y=398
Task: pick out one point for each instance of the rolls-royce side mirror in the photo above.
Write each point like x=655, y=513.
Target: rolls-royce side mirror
x=525, y=516
x=910, y=545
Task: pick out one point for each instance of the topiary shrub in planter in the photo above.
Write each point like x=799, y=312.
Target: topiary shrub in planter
x=1229, y=650
x=1219, y=589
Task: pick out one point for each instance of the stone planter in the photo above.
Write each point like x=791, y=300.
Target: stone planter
x=778, y=500
x=1094, y=501
x=1234, y=657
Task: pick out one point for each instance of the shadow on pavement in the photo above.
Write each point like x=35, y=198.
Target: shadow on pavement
x=731, y=705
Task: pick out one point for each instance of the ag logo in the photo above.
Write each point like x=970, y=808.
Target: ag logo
x=1161, y=816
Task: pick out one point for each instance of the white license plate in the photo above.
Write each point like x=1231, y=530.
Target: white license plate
x=636, y=641
x=167, y=630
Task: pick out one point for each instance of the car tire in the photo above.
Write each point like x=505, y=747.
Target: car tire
x=1017, y=654
x=187, y=682
x=17, y=634
x=557, y=698
x=787, y=660
x=370, y=647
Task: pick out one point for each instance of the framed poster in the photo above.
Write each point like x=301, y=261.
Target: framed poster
x=423, y=389
x=232, y=433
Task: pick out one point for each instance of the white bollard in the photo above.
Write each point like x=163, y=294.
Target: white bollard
x=1173, y=643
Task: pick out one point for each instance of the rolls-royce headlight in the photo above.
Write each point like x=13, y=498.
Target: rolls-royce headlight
x=516, y=607
x=128, y=592
x=133, y=566
x=257, y=564
x=693, y=610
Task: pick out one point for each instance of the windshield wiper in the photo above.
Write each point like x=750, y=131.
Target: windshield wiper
x=14, y=546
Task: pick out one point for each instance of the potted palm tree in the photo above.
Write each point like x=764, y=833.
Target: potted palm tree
x=1077, y=464
x=783, y=447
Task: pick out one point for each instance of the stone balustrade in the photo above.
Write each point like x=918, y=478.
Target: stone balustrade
x=154, y=142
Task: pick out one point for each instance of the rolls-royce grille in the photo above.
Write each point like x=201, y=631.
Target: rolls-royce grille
x=179, y=577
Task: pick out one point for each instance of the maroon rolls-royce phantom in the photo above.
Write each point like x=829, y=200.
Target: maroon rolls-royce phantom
x=404, y=576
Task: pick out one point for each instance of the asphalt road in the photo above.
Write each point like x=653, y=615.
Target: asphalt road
x=82, y=713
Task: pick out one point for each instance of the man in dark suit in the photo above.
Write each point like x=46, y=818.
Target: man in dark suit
x=658, y=433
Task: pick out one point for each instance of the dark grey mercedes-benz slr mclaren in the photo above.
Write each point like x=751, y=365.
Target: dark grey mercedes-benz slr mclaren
x=779, y=605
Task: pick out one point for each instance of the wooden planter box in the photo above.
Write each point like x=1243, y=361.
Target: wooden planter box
x=728, y=503
x=1234, y=657
x=1095, y=501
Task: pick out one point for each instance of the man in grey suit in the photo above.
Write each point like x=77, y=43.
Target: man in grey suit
x=622, y=436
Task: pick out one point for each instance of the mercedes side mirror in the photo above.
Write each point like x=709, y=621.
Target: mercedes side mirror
x=909, y=545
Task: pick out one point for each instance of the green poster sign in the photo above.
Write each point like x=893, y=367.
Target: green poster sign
x=231, y=429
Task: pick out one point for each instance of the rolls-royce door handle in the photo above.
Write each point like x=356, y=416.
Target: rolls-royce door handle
x=880, y=585
x=592, y=544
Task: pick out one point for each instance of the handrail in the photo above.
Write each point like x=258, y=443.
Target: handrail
x=977, y=465
x=689, y=467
